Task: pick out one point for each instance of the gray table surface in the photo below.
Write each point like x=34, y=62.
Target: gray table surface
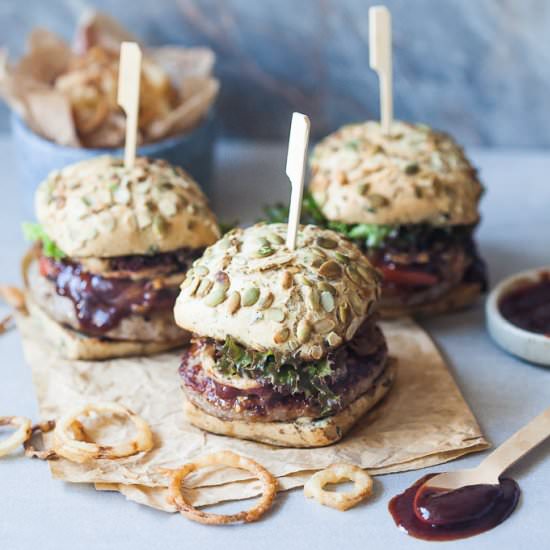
x=504, y=393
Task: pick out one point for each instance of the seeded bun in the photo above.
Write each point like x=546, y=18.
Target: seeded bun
x=416, y=175
x=303, y=432
x=99, y=208
x=251, y=287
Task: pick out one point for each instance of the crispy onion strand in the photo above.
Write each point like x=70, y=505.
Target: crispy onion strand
x=31, y=451
x=46, y=427
x=233, y=460
x=18, y=437
x=13, y=296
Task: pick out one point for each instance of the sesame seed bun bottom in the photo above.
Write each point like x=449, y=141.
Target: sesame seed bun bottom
x=303, y=432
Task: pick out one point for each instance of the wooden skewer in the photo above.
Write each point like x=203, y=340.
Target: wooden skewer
x=129, y=72
x=380, y=54
x=295, y=170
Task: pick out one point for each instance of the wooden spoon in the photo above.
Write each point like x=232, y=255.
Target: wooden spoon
x=490, y=469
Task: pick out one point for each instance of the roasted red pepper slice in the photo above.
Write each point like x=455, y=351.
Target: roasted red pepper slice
x=407, y=277
x=47, y=267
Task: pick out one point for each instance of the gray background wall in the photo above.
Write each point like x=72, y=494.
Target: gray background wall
x=478, y=68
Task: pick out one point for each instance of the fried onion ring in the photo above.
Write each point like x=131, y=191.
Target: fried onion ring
x=45, y=427
x=233, y=460
x=76, y=450
x=314, y=487
x=18, y=437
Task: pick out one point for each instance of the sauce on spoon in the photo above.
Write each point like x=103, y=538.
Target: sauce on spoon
x=430, y=513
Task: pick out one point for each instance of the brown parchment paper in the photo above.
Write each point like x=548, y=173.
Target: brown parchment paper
x=423, y=421
x=28, y=86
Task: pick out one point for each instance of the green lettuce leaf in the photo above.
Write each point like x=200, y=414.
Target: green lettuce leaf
x=373, y=235
x=369, y=235
x=34, y=232
x=284, y=374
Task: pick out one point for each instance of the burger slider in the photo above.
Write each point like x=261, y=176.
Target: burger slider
x=112, y=247
x=284, y=349
x=410, y=201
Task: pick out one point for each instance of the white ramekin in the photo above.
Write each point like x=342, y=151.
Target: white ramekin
x=522, y=343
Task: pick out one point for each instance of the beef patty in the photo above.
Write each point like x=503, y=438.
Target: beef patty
x=354, y=369
x=119, y=308
x=429, y=264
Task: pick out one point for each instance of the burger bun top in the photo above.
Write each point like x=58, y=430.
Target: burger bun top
x=304, y=302
x=100, y=208
x=414, y=175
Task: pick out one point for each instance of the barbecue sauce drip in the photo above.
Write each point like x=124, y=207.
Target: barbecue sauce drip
x=101, y=303
x=436, y=514
x=528, y=307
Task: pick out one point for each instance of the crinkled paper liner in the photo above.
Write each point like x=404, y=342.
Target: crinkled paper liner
x=423, y=421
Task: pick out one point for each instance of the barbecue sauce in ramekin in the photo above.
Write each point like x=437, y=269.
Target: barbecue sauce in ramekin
x=528, y=305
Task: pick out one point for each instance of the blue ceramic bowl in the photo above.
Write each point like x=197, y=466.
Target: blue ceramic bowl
x=37, y=157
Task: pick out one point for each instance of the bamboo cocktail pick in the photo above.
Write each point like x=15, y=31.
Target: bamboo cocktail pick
x=380, y=57
x=500, y=459
x=129, y=73
x=295, y=169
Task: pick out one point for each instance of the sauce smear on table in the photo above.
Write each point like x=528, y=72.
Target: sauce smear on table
x=528, y=306
x=437, y=514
